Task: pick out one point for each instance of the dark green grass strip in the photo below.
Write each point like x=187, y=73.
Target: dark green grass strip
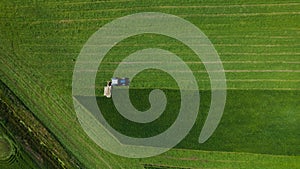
x=253, y=121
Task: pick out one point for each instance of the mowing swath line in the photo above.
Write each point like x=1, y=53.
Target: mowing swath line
x=73, y=3
x=237, y=5
x=66, y=21
x=167, y=166
x=261, y=54
x=169, y=7
x=254, y=36
x=238, y=80
x=205, y=6
x=199, y=62
x=255, y=80
x=204, y=160
x=234, y=14
x=211, y=36
x=259, y=71
x=229, y=88
x=222, y=53
x=187, y=62
x=270, y=89
x=95, y=2
x=199, y=71
x=172, y=44
x=185, y=15
x=159, y=7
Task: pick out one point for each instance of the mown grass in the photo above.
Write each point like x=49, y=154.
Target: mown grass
x=5, y=148
x=40, y=42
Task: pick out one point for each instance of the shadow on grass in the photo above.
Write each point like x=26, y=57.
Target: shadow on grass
x=253, y=121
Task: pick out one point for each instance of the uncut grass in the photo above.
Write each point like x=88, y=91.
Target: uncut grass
x=253, y=121
x=210, y=159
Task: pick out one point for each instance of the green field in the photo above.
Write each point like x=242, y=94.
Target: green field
x=257, y=41
x=12, y=155
x=245, y=130
x=5, y=148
